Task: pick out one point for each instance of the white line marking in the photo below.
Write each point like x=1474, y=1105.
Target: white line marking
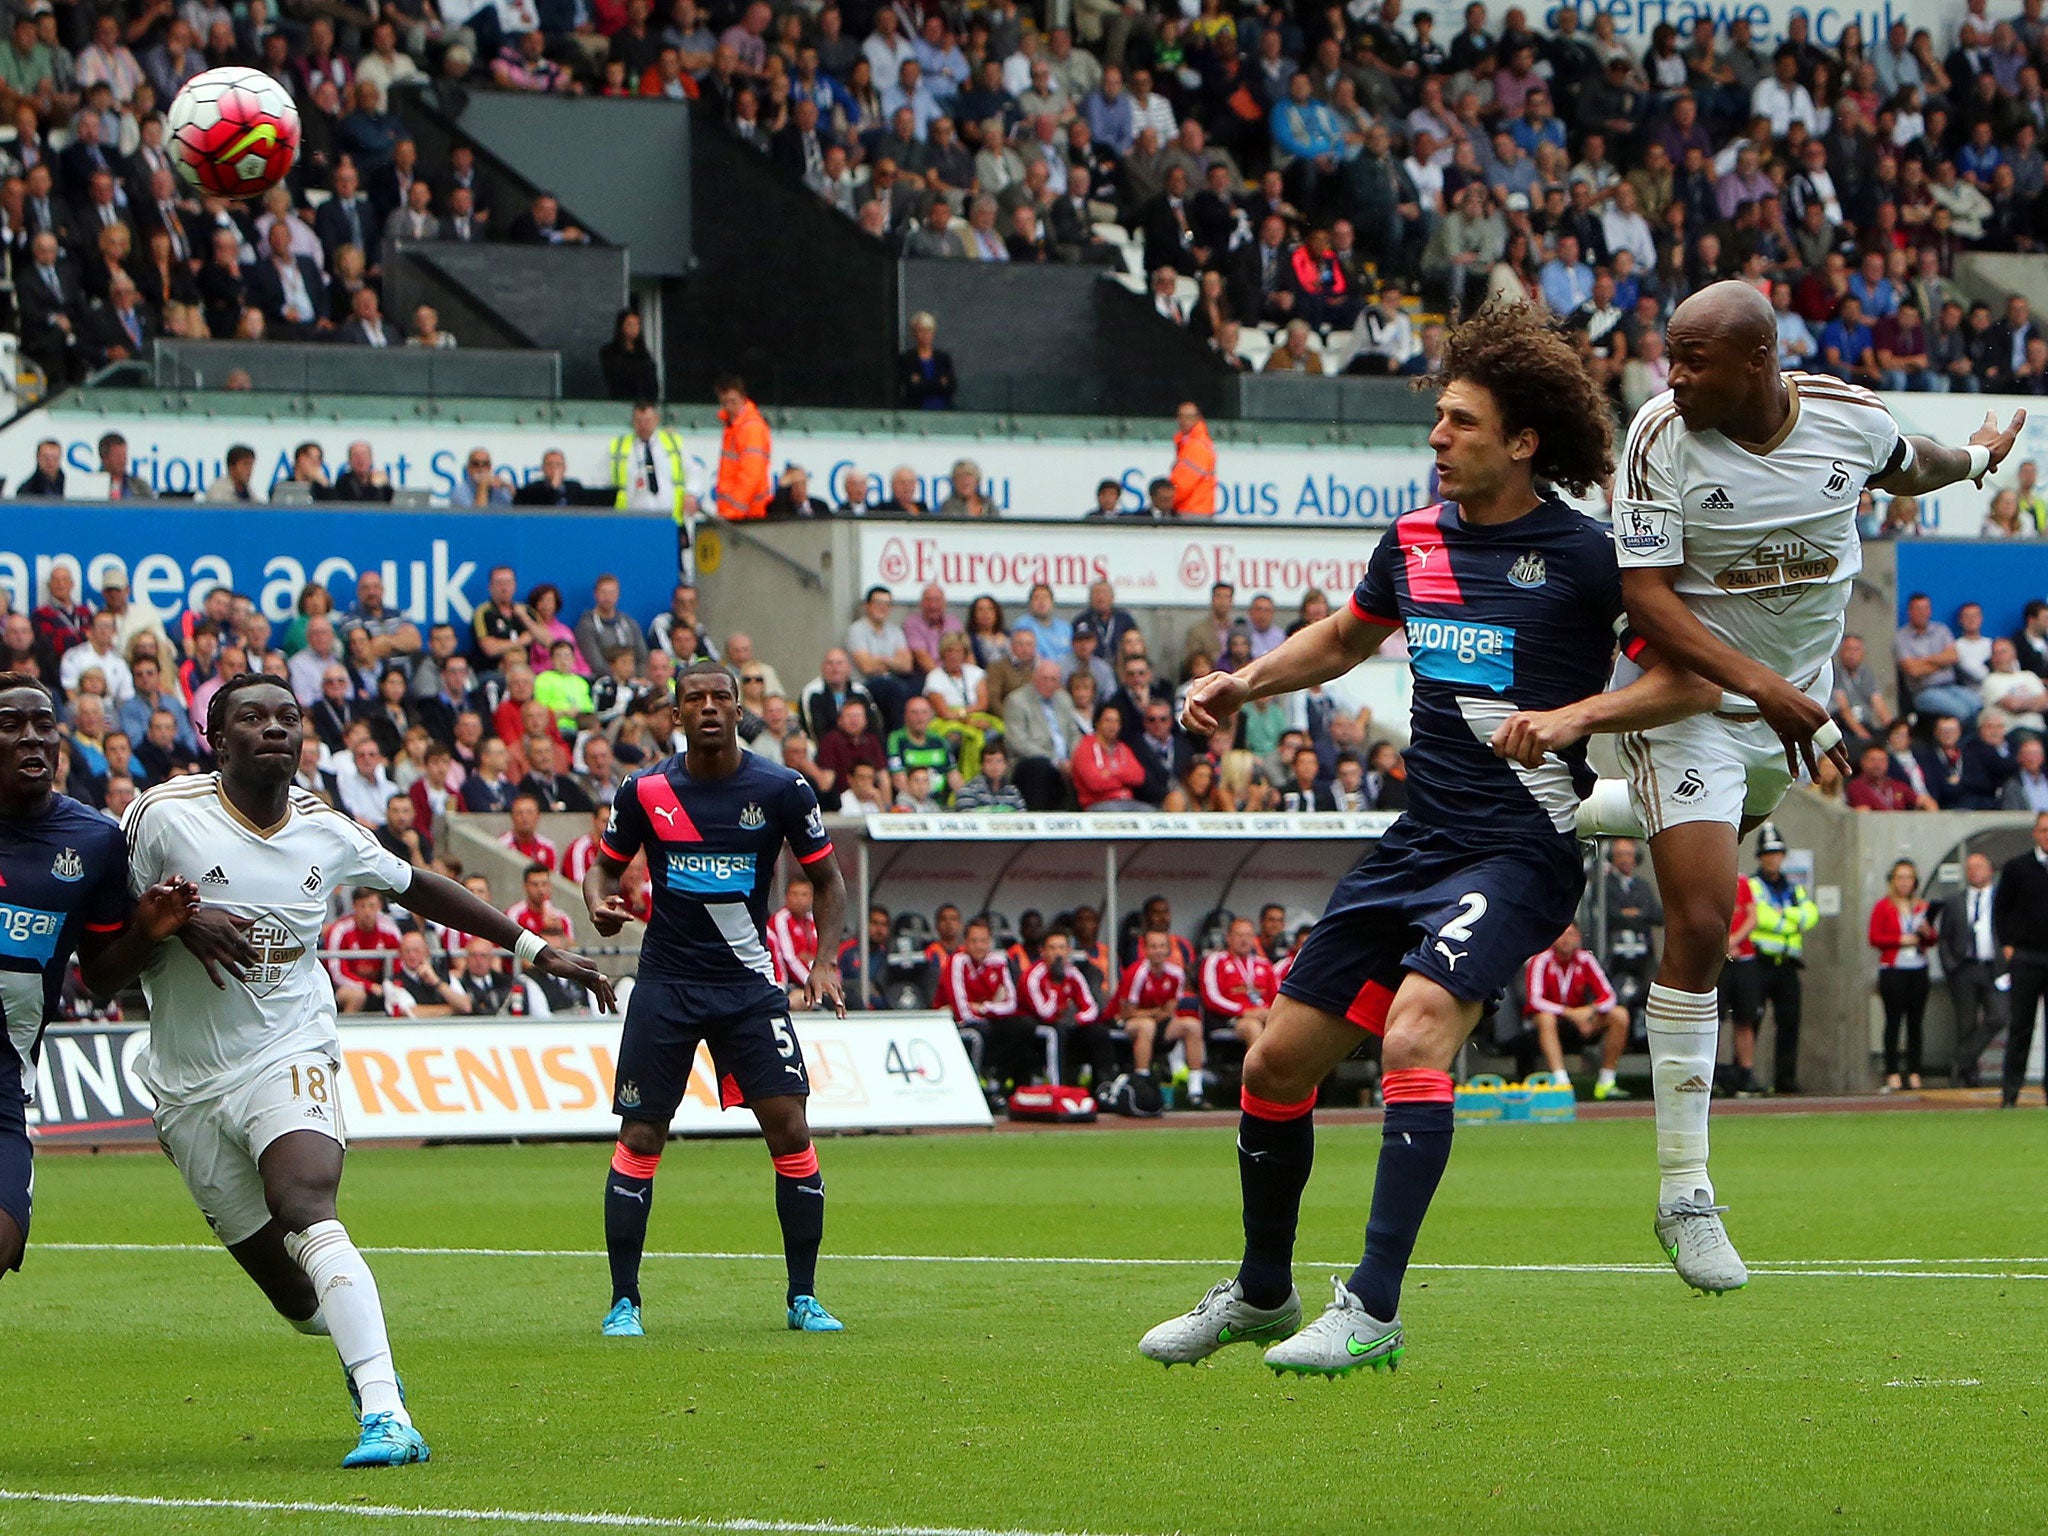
x=1922, y=1381
x=1885, y=1269
x=510, y=1516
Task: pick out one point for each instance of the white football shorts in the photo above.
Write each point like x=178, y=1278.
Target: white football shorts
x=216, y=1143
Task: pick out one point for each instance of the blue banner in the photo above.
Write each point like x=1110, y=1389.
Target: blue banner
x=435, y=564
x=2003, y=577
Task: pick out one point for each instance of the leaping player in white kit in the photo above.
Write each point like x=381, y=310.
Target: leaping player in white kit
x=1735, y=530
x=243, y=1050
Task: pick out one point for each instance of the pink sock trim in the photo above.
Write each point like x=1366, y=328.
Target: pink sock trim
x=634, y=1165
x=1266, y=1109
x=797, y=1165
x=1416, y=1085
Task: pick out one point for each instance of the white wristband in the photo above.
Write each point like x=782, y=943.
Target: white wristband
x=1980, y=461
x=529, y=947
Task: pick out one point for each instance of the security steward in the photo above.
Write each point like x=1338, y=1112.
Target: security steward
x=1784, y=915
x=650, y=474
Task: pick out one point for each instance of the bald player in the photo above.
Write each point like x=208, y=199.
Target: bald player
x=1735, y=530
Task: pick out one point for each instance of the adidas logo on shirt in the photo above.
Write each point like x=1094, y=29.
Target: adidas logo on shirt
x=1717, y=500
x=214, y=876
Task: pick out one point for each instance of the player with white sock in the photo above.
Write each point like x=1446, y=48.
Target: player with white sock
x=243, y=1049
x=1735, y=527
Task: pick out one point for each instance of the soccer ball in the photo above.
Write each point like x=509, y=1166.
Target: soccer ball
x=233, y=132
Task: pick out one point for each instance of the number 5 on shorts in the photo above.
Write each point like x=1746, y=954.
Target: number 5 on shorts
x=785, y=1037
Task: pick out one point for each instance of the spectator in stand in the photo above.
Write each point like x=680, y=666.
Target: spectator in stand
x=362, y=787
x=1106, y=773
x=368, y=931
x=1566, y=990
x=1054, y=635
x=1926, y=653
x=2030, y=640
x=2027, y=789
x=917, y=747
x=1914, y=765
x=991, y=790
x=880, y=652
x=2019, y=695
x=524, y=836
x=603, y=626
x=926, y=380
x=1873, y=788
x=1041, y=729
x=489, y=788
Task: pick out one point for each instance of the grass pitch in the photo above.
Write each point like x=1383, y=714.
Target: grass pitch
x=1883, y=1371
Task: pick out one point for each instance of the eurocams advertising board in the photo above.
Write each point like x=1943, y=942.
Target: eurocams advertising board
x=1150, y=567
x=448, y=1079
x=435, y=569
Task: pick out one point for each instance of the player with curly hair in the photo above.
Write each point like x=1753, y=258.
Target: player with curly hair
x=1508, y=598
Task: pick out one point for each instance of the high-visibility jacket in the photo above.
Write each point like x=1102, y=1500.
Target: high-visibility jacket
x=669, y=447
x=1782, y=918
x=1194, y=472
x=743, y=489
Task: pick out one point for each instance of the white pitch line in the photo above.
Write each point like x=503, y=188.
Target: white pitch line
x=509, y=1516
x=1794, y=1269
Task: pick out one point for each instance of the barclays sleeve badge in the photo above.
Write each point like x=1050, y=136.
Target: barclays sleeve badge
x=1640, y=530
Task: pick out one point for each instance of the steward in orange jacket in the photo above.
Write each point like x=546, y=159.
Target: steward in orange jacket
x=1194, y=465
x=744, y=484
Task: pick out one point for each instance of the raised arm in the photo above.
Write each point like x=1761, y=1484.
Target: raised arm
x=1661, y=695
x=1933, y=466
x=1325, y=650
x=440, y=900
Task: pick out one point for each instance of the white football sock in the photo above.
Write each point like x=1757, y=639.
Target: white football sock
x=355, y=1315
x=1606, y=1078
x=1609, y=812
x=1684, y=1029
x=314, y=1326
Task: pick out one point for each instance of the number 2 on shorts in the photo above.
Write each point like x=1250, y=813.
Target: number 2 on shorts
x=1472, y=907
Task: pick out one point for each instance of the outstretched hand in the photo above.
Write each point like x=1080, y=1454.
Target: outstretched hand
x=1999, y=442
x=560, y=963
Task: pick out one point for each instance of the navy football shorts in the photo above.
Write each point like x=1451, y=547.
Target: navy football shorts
x=1467, y=916
x=754, y=1048
x=17, y=1155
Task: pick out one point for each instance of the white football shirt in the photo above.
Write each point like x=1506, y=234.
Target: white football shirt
x=204, y=1041
x=1764, y=535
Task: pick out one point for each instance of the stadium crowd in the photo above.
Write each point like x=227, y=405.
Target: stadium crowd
x=1282, y=176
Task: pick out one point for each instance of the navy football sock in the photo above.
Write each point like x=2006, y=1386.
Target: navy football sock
x=800, y=1207
x=628, y=1201
x=1415, y=1146
x=1276, y=1149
